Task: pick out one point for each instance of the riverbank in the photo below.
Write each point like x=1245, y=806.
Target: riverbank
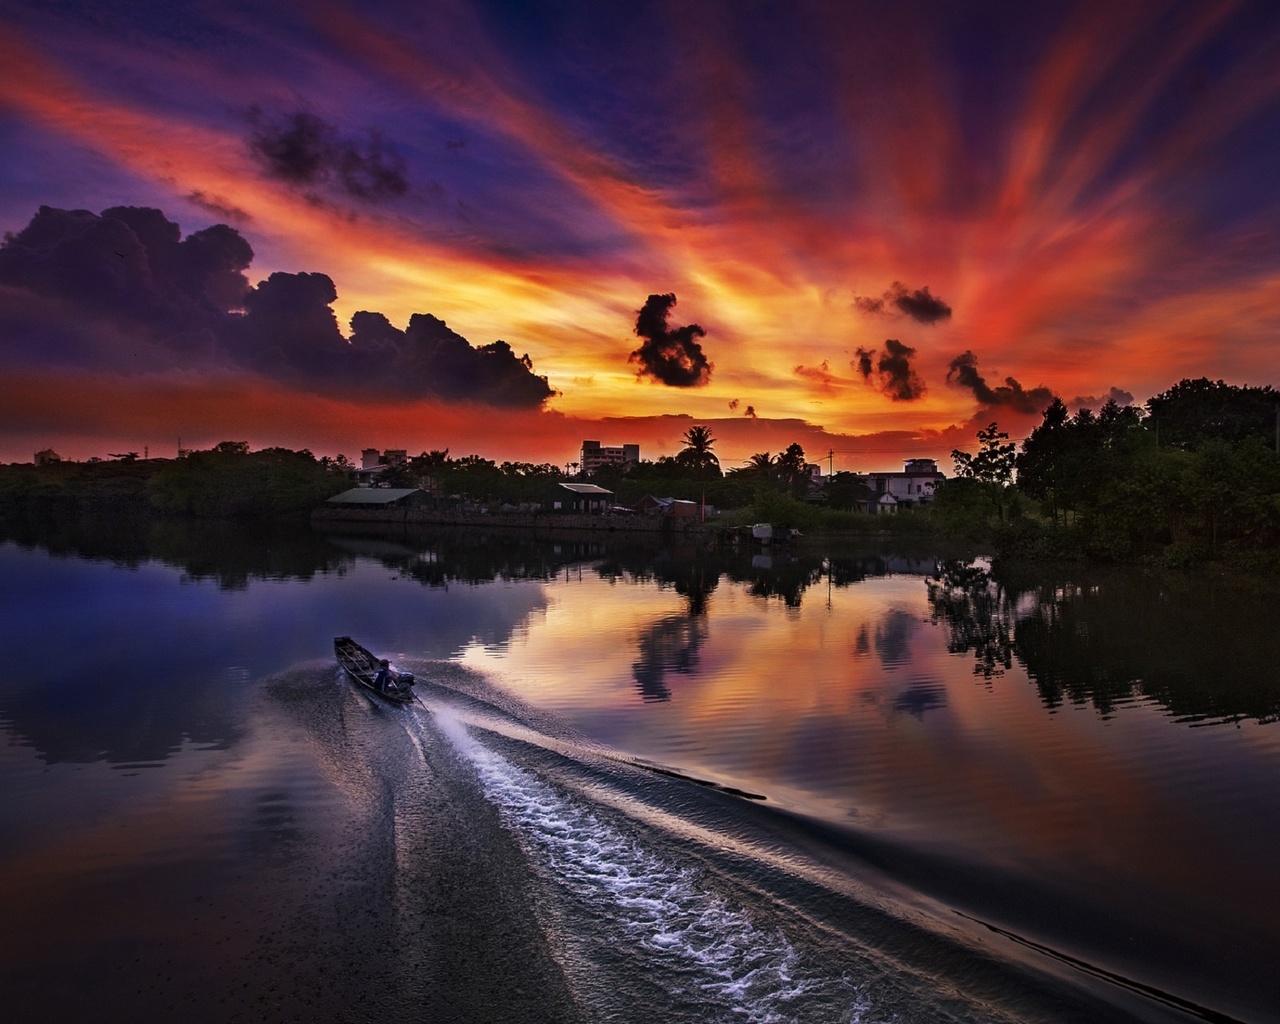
x=532, y=522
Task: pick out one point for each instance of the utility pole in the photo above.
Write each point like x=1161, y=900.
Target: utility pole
x=831, y=462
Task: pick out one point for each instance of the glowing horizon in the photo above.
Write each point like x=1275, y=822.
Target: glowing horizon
x=1089, y=196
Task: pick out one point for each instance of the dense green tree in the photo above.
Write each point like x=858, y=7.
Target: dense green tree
x=1195, y=411
x=846, y=490
x=1042, y=465
x=790, y=469
x=229, y=480
x=991, y=465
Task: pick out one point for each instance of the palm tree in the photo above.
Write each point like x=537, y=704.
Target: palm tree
x=428, y=466
x=790, y=467
x=697, y=453
x=699, y=440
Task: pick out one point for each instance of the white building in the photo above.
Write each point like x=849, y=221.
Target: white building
x=374, y=463
x=595, y=455
x=915, y=485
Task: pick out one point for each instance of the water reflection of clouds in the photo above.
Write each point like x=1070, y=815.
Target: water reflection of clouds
x=890, y=636
x=920, y=696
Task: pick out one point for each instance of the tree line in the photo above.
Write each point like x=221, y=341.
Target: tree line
x=1195, y=475
x=226, y=481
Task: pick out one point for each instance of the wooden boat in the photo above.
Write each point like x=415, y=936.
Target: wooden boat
x=362, y=667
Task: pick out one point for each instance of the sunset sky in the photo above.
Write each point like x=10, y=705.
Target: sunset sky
x=884, y=225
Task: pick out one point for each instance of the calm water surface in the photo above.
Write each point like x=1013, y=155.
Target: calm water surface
x=807, y=785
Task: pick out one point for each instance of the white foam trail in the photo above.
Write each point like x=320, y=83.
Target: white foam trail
x=704, y=948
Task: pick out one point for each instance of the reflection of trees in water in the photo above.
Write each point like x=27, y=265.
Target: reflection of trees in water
x=1203, y=652
x=670, y=644
x=691, y=571
x=974, y=609
x=783, y=577
x=231, y=553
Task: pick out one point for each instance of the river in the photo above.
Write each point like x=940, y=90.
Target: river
x=642, y=783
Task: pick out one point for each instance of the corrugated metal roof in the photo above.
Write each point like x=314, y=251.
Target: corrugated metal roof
x=372, y=495
x=585, y=489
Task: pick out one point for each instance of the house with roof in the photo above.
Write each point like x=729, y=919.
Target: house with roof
x=915, y=485
x=380, y=497
x=579, y=499
x=374, y=463
x=676, y=508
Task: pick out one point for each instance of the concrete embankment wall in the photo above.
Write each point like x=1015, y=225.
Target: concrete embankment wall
x=541, y=522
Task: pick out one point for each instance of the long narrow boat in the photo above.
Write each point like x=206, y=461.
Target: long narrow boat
x=363, y=667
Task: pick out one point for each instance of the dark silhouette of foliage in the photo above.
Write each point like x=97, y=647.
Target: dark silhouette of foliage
x=231, y=481
x=697, y=454
x=1195, y=411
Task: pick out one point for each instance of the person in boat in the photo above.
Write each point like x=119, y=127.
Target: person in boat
x=382, y=681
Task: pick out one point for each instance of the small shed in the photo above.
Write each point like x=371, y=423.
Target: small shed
x=588, y=499
x=380, y=497
x=678, y=508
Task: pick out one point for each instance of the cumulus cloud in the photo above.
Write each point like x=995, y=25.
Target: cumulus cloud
x=963, y=372
x=305, y=150
x=125, y=291
x=130, y=262
x=900, y=300
x=671, y=355
x=891, y=370
x=733, y=405
x=750, y=411
x=1117, y=395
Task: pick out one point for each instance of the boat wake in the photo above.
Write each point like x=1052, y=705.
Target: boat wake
x=709, y=956
x=665, y=897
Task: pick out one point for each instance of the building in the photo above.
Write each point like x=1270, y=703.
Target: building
x=581, y=499
x=595, y=455
x=47, y=457
x=371, y=458
x=915, y=485
x=676, y=508
x=380, y=497
x=374, y=463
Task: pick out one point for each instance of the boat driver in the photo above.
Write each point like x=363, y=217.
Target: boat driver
x=382, y=681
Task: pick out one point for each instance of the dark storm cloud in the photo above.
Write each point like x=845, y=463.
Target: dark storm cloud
x=963, y=372
x=891, y=370
x=670, y=355
x=305, y=150
x=95, y=291
x=1117, y=395
x=750, y=411
x=131, y=262
x=919, y=304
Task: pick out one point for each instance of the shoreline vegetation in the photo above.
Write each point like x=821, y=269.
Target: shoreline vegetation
x=1191, y=480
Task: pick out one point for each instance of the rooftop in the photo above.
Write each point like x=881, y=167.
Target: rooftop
x=372, y=495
